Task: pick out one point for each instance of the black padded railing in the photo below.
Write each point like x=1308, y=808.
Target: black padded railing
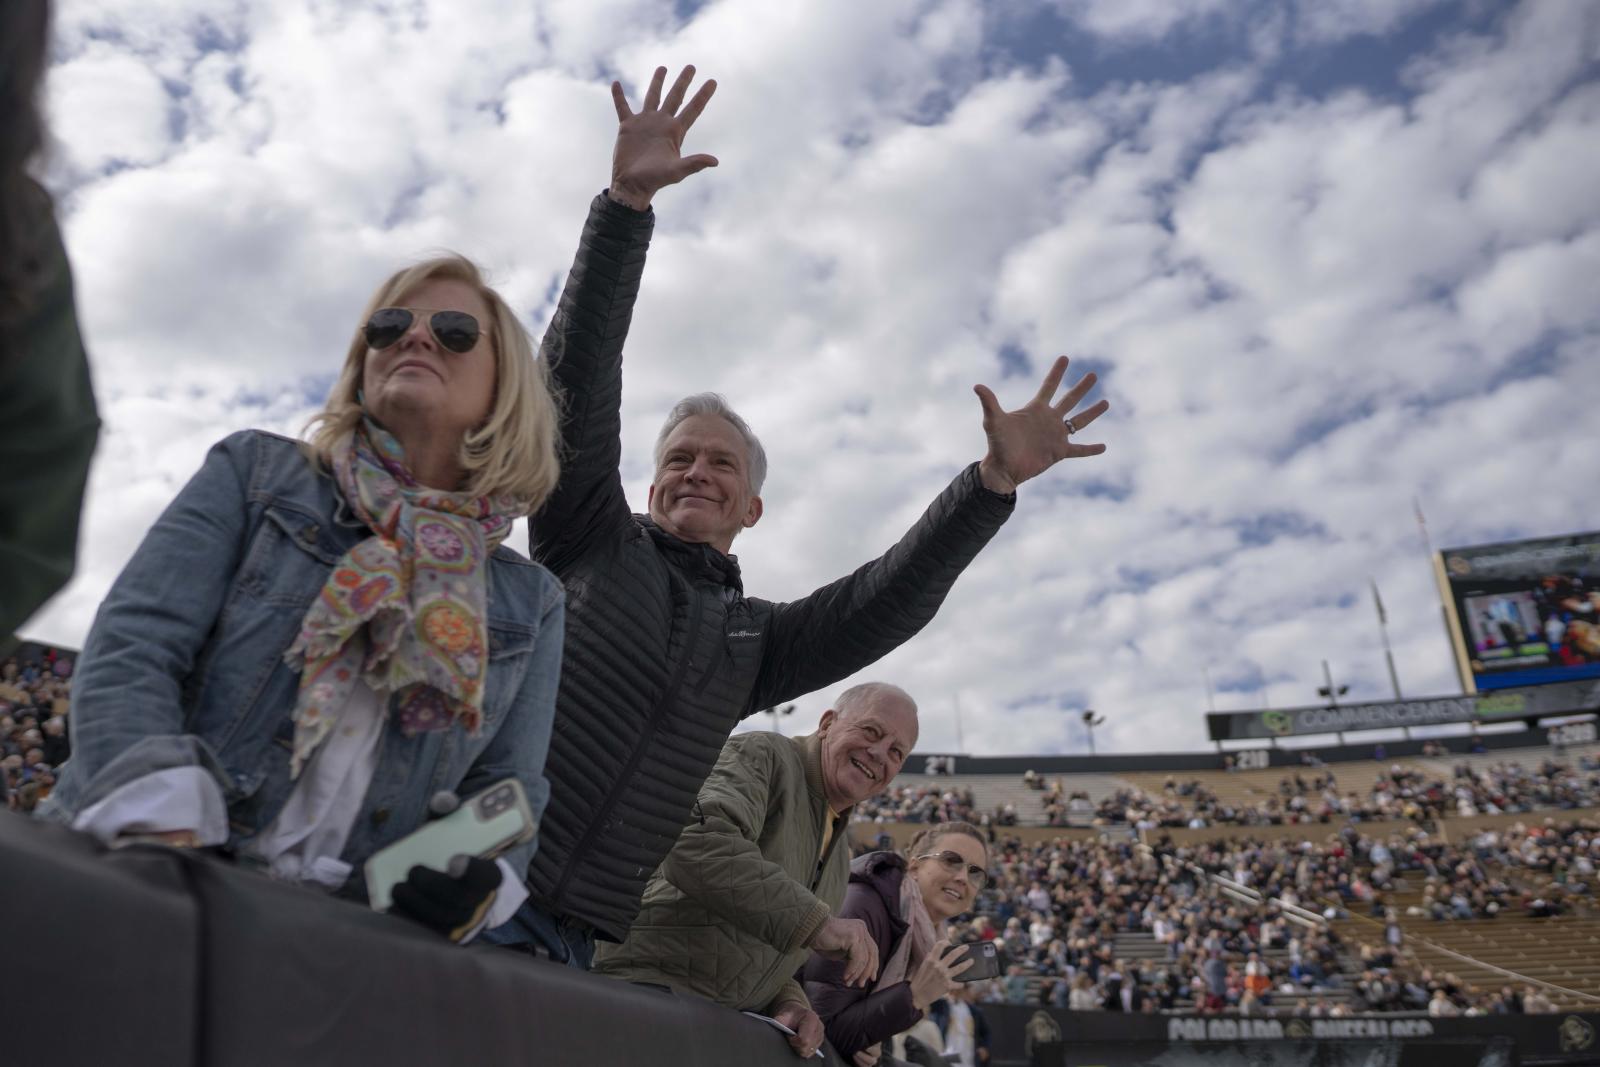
x=147, y=955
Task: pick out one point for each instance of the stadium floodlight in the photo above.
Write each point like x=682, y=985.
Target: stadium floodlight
x=1331, y=693
x=1090, y=721
x=777, y=723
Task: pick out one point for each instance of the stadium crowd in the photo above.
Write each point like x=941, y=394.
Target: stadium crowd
x=1310, y=796
x=1400, y=793
x=1057, y=909
x=919, y=804
x=34, y=696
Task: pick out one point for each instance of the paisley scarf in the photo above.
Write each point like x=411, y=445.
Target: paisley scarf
x=405, y=610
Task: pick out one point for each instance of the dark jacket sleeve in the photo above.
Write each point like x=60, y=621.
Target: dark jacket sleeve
x=854, y=1018
x=855, y=621
x=48, y=429
x=583, y=349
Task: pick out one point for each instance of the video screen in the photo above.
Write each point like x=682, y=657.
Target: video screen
x=1525, y=612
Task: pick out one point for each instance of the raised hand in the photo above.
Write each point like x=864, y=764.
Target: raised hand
x=1029, y=441
x=649, y=156
x=935, y=976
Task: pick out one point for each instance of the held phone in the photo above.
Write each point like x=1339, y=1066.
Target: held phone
x=484, y=825
x=987, y=965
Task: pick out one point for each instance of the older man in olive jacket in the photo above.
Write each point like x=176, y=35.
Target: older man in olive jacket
x=764, y=862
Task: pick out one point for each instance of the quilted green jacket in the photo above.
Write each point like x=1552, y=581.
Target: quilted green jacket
x=728, y=914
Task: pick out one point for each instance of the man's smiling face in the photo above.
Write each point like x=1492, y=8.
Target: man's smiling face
x=863, y=747
x=702, y=492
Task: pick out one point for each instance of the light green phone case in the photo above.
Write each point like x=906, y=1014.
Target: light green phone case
x=484, y=825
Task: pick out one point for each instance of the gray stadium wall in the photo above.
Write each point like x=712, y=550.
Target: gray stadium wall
x=1212, y=760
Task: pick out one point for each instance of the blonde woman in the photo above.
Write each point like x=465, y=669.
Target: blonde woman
x=316, y=636
x=907, y=903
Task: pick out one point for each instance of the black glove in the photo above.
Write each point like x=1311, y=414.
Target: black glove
x=452, y=904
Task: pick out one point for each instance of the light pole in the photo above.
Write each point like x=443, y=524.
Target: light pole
x=1090, y=721
x=1388, y=653
x=777, y=723
x=1333, y=693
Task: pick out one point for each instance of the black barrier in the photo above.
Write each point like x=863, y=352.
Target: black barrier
x=151, y=955
x=148, y=955
x=120, y=932
x=1117, y=1038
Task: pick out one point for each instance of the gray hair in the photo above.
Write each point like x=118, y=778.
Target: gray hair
x=714, y=404
x=859, y=697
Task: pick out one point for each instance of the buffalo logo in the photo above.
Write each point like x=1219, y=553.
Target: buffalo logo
x=1459, y=566
x=1576, y=1034
x=1297, y=1029
x=1279, y=722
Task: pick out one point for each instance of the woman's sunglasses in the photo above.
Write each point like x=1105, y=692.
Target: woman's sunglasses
x=455, y=330
x=954, y=861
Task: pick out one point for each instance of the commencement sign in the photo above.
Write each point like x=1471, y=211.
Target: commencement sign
x=1530, y=702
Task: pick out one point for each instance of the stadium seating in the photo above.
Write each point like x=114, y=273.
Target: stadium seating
x=1479, y=961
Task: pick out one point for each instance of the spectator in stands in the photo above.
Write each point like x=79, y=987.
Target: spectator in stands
x=1015, y=985
x=48, y=421
x=757, y=877
x=1536, y=1002
x=965, y=1030
x=906, y=906
x=1084, y=996
x=1215, y=971
x=652, y=595
x=56, y=746
x=1441, y=1006
x=1257, y=976
x=254, y=678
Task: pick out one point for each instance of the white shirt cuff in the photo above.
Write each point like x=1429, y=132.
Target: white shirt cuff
x=178, y=798
x=507, y=899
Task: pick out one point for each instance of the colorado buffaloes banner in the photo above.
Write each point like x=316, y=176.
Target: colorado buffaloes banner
x=1114, y=1039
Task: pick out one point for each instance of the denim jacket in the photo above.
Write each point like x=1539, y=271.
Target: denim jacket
x=184, y=665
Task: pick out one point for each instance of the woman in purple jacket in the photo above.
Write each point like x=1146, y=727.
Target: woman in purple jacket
x=906, y=904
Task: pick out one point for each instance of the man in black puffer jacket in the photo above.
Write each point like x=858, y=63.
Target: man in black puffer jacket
x=664, y=652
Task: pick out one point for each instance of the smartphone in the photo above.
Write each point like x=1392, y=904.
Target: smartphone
x=987, y=956
x=485, y=825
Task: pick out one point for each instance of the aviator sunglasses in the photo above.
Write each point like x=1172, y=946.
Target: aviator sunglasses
x=455, y=330
x=976, y=876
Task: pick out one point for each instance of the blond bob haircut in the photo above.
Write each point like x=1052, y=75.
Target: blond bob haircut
x=514, y=452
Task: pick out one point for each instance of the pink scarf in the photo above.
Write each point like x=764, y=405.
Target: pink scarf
x=915, y=943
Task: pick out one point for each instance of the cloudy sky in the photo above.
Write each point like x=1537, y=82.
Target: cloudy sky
x=1326, y=256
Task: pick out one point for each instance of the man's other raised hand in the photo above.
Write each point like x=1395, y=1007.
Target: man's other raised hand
x=1030, y=440
x=649, y=152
